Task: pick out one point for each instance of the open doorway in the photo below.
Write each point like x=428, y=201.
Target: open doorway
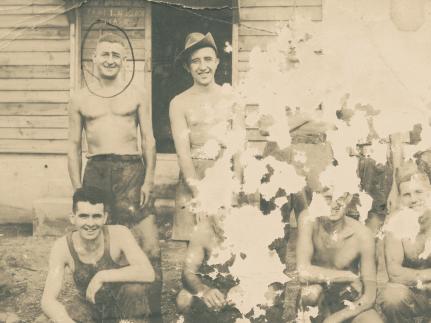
x=170, y=26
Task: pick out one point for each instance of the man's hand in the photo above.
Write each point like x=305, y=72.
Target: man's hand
x=214, y=299
x=93, y=287
x=145, y=195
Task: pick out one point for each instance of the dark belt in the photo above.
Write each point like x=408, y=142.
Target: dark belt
x=114, y=157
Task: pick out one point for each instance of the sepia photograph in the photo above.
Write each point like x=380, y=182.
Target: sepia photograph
x=215, y=161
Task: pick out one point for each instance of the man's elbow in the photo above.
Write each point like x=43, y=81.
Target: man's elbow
x=396, y=276
x=150, y=275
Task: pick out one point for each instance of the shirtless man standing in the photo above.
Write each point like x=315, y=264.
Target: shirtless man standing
x=336, y=263
x=406, y=297
x=108, y=287
x=200, y=116
x=115, y=164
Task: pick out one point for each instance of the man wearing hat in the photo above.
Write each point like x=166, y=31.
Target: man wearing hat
x=201, y=119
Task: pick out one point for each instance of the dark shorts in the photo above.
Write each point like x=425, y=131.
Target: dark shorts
x=113, y=304
x=121, y=177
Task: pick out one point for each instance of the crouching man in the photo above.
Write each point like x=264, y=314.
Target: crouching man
x=407, y=295
x=109, y=268
x=336, y=265
x=209, y=289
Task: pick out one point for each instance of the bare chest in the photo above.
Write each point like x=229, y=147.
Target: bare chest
x=332, y=251
x=97, y=108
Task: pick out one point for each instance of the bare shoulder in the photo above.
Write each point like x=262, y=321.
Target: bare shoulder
x=79, y=97
x=181, y=100
x=118, y=231
x=305, y=219
x=60, y=250
x=202, y=235
x=362, y=232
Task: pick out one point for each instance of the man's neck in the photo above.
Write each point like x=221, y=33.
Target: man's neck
x=109, y=83
x=90, y=246
x=199, y=88
x=334, y=226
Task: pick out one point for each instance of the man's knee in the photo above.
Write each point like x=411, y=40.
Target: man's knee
x=310, y=295
x=147, y=234
x=394, y=296
x=370, y=316
x=184, y=301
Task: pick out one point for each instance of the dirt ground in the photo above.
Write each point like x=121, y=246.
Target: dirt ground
x=24, y=264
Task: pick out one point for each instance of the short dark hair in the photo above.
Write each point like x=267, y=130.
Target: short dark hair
x=92, y=195
x=111, y=38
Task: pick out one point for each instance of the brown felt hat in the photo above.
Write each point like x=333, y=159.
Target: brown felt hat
x=196, y=41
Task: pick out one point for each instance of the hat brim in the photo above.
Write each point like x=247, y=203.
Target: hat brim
x=207, y=41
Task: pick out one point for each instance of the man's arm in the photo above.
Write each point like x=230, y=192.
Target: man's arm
x=212, y=297
x=138, y=270
x=180, y=132
x=238, y=128
x=369, y=282
x=74, y=156
x=394, y=256
x=148, y=146
x=50, y=305
x=307, y=272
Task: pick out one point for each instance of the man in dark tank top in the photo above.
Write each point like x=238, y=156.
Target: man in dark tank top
x=109, y=269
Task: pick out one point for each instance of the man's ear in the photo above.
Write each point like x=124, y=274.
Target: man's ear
x=72, y=218
x=105, y=219
x=186, y=67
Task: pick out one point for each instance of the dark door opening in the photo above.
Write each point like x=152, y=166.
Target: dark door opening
x=170, y=26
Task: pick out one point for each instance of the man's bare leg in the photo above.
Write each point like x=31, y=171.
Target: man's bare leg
x=147, y=235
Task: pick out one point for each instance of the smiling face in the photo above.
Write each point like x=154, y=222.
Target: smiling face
x=109, y=58
x=89, y=219
x=202, y=65
x=415, y=193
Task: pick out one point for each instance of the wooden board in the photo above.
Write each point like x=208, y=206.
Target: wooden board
x=280, y=13
x=280, y=3
x=36, y=58
x=34, y=122
x=49, y=45
x=19, y=21
x=35, y=72
x=33, y=109
x=33, y=133
x=34, y=96
x=34, y=84
x=33, y=146
x=247, y=43
x=37, y=33
x=115, y=3
x=261, y=28
x=31, y=10
x=31, y=2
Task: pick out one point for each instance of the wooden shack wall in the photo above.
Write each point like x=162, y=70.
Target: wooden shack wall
x=259, y=22
x=34, y=76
